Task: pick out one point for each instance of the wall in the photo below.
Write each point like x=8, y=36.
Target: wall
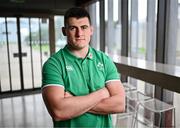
x=35, y=6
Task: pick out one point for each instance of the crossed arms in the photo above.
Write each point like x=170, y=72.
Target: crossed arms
x=63, y=106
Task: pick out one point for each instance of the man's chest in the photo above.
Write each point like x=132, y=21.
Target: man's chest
x=81, y=78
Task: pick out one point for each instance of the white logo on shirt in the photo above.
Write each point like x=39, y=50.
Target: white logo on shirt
x=100, y=66
x=69, y=68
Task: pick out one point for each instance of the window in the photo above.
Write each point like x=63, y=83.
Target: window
x=113, y=26
x=94, y=14
x=142, y=33
x=59, y=37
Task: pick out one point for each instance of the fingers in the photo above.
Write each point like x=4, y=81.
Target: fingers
x=67, y=94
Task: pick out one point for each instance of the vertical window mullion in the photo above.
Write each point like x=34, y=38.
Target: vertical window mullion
x=52, y=35
x=160, y=37
x=124, y=21
x=20, y=53
x=102, y=25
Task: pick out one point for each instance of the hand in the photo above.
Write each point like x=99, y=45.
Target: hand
x=105, y=92
x=67, y=94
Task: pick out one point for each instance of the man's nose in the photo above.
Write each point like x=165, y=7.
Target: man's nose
x=79, y=32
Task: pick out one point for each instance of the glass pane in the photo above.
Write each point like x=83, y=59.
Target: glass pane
x=4, y=68
x=39, y=32
x=117, y=25
x=13, y=51
x=45, y=49
x=25, y=44
x=60, y=38
x=35, y=41
x=94, y=14
x=142, y=29
x=35, y=46
x=113, y=26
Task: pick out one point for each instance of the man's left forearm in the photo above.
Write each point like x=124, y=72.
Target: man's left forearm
x=113, y=104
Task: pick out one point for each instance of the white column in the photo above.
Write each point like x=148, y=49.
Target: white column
x=134, y=29
x=92, y=11
x=110, y=28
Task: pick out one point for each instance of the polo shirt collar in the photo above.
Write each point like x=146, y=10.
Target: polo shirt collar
x=90, y=54
x=72, y=57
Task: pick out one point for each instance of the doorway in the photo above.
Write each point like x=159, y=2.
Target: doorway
x=24, y=47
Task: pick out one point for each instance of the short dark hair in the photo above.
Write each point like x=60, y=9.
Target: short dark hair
x=76, y=12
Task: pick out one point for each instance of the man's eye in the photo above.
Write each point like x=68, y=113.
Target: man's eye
x=84, y=27
x=71, y=28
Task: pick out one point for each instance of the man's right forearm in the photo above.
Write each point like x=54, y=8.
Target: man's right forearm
x=70, y=107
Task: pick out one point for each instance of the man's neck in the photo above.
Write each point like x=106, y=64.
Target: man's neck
x=80, y=53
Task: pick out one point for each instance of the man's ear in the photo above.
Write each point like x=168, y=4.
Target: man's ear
x=64, y=31
x=92, y=30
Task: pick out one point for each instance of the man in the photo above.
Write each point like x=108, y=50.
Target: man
x=81, y=86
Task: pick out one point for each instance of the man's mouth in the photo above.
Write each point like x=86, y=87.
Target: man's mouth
x=80, y=39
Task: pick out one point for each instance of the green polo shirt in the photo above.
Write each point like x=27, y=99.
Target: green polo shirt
x=80, y=77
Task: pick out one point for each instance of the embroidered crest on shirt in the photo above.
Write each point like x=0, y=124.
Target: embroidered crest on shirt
x=69, y=68
x=90, y=55
x=100, y=66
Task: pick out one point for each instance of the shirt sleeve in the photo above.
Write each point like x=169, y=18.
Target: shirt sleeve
x=111, y=70
x=52, y=74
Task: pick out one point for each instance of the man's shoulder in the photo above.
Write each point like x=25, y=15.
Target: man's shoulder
x=56, y=57
x=99, y=54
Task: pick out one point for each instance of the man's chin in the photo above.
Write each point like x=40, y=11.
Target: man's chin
x=78, y=47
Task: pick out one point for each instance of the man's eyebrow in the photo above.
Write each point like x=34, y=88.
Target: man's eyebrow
x=84, y=25
x=68, y=26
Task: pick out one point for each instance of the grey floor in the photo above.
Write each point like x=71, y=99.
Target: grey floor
x=24, y=112
x=29, y=112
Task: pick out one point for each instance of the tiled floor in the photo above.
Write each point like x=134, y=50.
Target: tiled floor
x=24, y=112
